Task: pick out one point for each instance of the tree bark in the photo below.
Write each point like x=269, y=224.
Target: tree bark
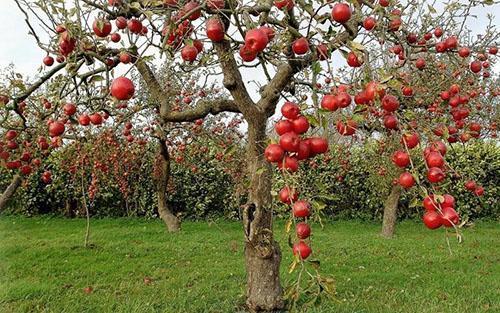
x=171, y=221
x=390, y=212
x=262, y=252
x=10, y=190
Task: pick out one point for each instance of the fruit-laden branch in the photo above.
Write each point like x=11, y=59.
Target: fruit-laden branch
x=202, y=109
x=285, y=72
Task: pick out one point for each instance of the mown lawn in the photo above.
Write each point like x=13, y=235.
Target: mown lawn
x=44, y=268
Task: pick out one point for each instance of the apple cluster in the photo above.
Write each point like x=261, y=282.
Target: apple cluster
x=286, y=154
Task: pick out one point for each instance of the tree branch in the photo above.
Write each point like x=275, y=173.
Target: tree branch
x=202, y=109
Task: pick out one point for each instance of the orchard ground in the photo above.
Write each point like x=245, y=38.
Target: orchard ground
x=45, y=268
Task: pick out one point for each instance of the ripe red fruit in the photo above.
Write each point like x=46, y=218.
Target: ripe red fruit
x=247, y=54
x=369, y=23
x=470, y=185
x=420, y=63
x=290, y=164
x=390, y=122
x=198, y=44
x=96, y=119
x=434, y=159
x=438, y=32
x=300, y=46
x=13, y=165
x=479, y=191
x=348, y=128
x=429, y=203
x=101, y=27
x=189, y=7
x=384, y=3
x=290, y=110
x=56, y=129
x=343, y=99
x=26, y=170
x=115, y=37
x=411, y=140
x=303, y=230
x=451, y=42
x=135, y=26
x=449, y=217
x=290, y=142
x=390, y=103
x=318, y=145
x=341, y=13
x=493, y=50
x=11, y=134
x=353, y=60
x=283, y=126
x=406, y=180
x=300, y=125
x=304, y=150
x=301, y=208
x=449, y=200
x=121, y=22
x=274, y=153
x=122, y=88
x=69, y=109
x=288, y=195
x=401, y=158
x=302, y=249
x=125, y=58
x=475, y=66
x=284, y=4
x=432, y=220
x=256, y=39
x=48, y=60
x=329, y=102
x=464, y=52
x=407, y=91
x=84, y=120
x=215, y=29
x=269, y=32
x=189, y=53
x=435, y=175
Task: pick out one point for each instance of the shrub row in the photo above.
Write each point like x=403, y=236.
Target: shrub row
x=349, y=184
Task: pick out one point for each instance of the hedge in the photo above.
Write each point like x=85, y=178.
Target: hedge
x=346, y=184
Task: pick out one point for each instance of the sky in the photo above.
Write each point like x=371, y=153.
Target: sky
x=20, y=49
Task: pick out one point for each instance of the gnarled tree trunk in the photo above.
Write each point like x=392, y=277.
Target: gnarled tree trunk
x=10, y=190
x=262, y=252
x=390, y=212
x=171, y=221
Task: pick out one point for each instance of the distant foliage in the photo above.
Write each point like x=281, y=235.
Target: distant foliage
x=344, y=184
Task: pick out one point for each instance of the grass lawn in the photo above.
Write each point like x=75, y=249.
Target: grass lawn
x=44, y=268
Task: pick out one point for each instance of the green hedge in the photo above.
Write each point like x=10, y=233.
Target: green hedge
x=346, y=185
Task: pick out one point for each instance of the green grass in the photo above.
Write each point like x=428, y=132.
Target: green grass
x=44, y=268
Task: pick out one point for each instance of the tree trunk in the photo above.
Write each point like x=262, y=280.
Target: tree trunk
x=171, y=221
x=262, y=252
x=10, y=190
x=390, y=212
